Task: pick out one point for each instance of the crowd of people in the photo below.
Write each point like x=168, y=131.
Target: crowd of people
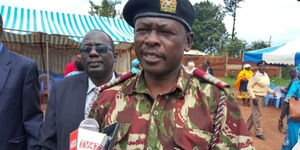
x=160, y=104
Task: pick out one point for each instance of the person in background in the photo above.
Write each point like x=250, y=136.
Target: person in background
x=291, y=134
x=21, y=117
x=70, y=67
x=295, y=76
x=205, y=66
x=293, y=127
x=135, y=66
x=71, y=98
x=163, y=107
x=242, y=82
x=297, y=68
x=258, y=87
x=190, y=67
x=80, y=68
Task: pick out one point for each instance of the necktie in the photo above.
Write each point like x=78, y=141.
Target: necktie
x=95, y=91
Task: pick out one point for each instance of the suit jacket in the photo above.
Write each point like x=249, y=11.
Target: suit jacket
x=65, y=111
x=20, y=115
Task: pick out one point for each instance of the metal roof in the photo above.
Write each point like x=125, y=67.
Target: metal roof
x=30, y=25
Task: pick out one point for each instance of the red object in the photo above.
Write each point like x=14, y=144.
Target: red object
x=201, y=74
x=73, y=140
x=70, y=67
x=83, y=139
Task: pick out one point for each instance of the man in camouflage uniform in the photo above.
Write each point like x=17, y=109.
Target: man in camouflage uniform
x=163, y=107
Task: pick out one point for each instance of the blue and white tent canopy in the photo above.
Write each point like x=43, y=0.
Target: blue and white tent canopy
x=22, y=22
x=285, y=54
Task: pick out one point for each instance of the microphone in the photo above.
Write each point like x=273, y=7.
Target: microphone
x=89, y=124
x=87, y=137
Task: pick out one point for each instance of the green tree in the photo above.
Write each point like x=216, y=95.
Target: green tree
x=234, y=47
x=106, y=8
x=209, y=30
x=230, y=7
x=257, y=45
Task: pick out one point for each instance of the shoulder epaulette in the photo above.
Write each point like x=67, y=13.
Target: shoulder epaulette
x=118, y=80
x=209, y=78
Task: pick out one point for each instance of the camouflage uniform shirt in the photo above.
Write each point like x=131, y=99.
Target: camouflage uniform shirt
x=180, y=119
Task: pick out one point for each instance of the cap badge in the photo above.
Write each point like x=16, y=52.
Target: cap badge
x=168, y=6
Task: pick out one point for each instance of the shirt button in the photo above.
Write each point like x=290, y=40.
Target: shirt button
x=195, y=148
x=155, y=112
x=149, y=148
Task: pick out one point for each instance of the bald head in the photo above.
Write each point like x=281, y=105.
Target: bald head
x=98, y=56
x=93, y=35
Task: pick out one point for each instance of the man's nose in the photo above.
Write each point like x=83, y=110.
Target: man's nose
x=153, y=38
x=93, y=52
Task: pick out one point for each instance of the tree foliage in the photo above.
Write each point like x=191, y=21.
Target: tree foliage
x=258, y=45
x=234, y=47
x=230, y=7
x=106, y=8
x=209, y=30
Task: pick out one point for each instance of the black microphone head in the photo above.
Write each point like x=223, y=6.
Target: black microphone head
x=89, y=124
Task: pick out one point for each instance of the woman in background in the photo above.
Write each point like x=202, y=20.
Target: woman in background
x=258, y=87
x=242, y=82
x=292, y=126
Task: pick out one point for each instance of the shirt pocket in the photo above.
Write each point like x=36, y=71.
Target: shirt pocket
x=17, y=140
x=17, y=143
x=186, y=138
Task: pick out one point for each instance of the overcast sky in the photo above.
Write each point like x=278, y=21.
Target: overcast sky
x=256, y=19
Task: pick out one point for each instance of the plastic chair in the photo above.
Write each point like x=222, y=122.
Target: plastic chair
x=272, y=86
x=279, y=96
x=269, y=98
x=278, y=100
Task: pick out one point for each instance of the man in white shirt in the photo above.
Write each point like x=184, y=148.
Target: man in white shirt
x=71, y=97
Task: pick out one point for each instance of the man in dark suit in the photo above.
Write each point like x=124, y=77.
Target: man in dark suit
x=71, y=98
x=20, y=115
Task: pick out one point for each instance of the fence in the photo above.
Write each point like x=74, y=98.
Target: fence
x=228, y=67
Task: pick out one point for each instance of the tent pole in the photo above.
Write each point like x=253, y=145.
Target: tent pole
x=226, y=63
x=47, y=64
x=42, y=51
x=280, y=72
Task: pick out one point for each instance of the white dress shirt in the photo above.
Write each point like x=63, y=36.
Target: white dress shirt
x=91, y=91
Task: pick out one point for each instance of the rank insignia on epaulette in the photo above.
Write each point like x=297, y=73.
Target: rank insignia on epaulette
x=117, y=80
x=209, y=78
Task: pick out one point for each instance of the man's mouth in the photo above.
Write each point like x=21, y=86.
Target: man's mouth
x=94, y=64
x=151, y=58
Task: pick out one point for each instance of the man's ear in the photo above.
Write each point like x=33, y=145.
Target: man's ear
x=189, y=41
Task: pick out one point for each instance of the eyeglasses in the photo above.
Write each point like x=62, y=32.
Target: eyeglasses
x=100, y=49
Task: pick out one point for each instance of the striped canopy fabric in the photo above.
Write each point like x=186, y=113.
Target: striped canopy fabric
x=34, y=26
x=285, y=54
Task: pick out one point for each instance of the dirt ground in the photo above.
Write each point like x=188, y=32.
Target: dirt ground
x=270, y=117
x=269, y=123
